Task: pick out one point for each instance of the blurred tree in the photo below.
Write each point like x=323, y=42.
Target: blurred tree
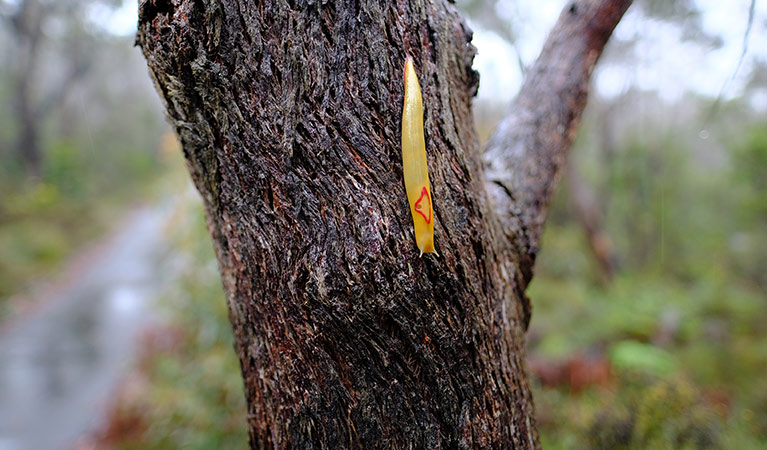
x=587, y=211
x=289, y=117
x=51, y=50
x=613, y=130
x=79, y=127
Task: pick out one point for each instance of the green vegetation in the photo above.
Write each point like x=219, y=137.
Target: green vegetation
x=682, y=327
x=98, y=146
x=669, y=354
x=42, y=222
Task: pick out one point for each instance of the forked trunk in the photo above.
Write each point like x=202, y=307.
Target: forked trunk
x=289, y=115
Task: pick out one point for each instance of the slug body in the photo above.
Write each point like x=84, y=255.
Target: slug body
x=414, y=167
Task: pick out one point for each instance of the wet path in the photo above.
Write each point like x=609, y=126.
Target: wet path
x=59, y=365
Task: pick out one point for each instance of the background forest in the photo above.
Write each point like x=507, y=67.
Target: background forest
x=649, y=327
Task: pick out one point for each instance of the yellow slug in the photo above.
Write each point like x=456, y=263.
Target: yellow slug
x=414, y=162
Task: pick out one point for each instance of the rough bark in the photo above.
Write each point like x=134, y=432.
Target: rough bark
x=289, y=117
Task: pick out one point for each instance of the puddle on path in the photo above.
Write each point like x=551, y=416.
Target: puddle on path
x=59, y=366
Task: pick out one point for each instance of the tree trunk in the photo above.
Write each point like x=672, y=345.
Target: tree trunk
x=585, y=209
x=289, y=116
x=28, y=140
x=27, y=27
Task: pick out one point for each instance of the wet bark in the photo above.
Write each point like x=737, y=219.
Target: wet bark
x=289, y=117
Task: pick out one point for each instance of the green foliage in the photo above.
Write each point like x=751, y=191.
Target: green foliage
x=749, y=177
x=682, y=327
x=661, y=414
x=63, y=169
x=751, y=165
x=683, y=323
x=98, y=141
x=44, y=222
x=645, y=412
x=79, y=196
x=39, y=227
x=643, y=357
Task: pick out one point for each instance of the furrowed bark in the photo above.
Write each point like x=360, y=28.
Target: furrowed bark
x=289, y=117
x=525, y=156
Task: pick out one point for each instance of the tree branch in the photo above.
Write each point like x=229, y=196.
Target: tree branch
x=524, y=158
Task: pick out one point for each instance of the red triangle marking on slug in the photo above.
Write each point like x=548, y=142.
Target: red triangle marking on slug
x=419, y=208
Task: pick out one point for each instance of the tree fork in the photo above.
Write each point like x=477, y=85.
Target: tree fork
x=289, y=118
